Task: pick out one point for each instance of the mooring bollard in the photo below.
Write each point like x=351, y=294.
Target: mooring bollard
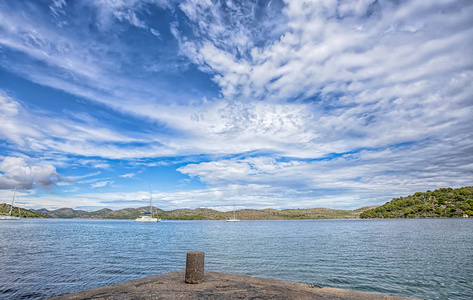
x=195, y=267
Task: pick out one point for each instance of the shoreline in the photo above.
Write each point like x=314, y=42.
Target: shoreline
x=259, y=220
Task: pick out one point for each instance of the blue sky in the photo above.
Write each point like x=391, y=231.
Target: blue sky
x=282, y=104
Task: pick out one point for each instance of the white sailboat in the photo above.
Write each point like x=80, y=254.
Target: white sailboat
x=9, y=216
x=234, y=219
x=148, y=216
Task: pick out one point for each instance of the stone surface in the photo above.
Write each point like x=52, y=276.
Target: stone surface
x=195, y=267
x=217, y=286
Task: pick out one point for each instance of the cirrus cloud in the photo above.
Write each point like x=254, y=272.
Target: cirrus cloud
x=277, y=103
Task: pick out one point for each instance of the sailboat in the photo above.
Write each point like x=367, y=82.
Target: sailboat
x=148, y=216
x=234, y=219
x=9, y=216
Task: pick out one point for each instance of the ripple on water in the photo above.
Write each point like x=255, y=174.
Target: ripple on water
x=428, y=259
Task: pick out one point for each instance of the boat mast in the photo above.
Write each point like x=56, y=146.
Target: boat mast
x=12, y=202
x=151, y=199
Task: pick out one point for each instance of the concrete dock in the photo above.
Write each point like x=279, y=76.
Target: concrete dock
x=217, y=286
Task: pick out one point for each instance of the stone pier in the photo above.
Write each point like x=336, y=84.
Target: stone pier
x=175, y=285
x=217, y=286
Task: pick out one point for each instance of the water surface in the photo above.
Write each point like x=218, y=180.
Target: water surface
x=423, y=258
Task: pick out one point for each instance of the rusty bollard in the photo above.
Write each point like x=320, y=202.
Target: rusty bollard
x=195, y=267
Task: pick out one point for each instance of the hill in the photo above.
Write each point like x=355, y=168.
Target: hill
x=63, y=213
x=105, y=213
x=25, y=213
x=209, y=214
x=441, y=203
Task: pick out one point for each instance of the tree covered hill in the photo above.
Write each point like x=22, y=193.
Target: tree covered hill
x=441, y=203
x=262, y=214
x=25, y=213
x=208, y=214
x=104, y=213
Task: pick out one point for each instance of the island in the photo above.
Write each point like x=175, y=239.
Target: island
x=440, y=203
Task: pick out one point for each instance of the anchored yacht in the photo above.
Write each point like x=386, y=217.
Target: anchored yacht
x=148, y=216
x=9, y=216
x=234, y=219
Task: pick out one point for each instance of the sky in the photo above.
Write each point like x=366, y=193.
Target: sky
x=222, y=104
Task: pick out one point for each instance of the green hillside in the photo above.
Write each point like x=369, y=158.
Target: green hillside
x=441, y=203
x=25, y=213
x=261, y=214
x=105, y=213
x=209, y=214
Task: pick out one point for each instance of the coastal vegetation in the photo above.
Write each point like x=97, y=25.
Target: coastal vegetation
x=441, y=203
x=208, y=214
x=263, y=214
x=25, y=213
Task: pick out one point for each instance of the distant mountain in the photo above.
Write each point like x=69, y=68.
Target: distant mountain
x=62, y=213
x=441, y=203
x=105, y=213
x=25, y=213
x=208, y=214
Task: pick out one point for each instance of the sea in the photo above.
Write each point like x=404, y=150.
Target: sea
x=419, y=258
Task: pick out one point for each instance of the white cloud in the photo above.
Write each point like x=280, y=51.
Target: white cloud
x=355, y=69
x=124, y=10
x=358, y=75
x=13, y=126
x=86, y=175
x=16, y=172
x=352, y=180
x=40, y=131
x=333, y=42
x=128, y=175
x=325, y=95
x=53, y=201
x=131, y=18
x=100, y=184
x=155, y=32
x=57, y=7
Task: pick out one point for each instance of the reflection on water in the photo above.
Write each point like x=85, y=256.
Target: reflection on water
x=423, y=258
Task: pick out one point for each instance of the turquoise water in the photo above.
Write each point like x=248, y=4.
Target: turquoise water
x=422, y=258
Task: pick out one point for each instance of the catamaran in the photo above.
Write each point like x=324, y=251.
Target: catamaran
x=234, y=219
x=9, y=216
x=148, y=216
